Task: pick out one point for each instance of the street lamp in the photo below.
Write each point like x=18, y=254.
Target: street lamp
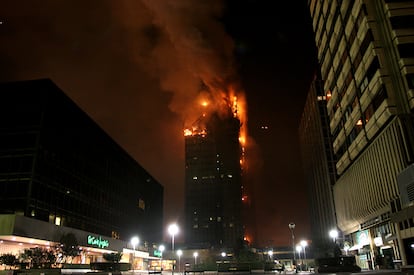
x=161, y=248
x=134, y=242
x=173, y=230
x=333, y=234
x=179, y=253
x=304, y=244
x=299, y=249
x=270, y=253
x=292, y=227
x=195, y=254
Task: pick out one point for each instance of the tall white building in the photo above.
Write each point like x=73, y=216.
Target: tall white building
x=366, y=54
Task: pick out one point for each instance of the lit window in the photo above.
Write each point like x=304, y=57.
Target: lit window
x=195, y=177
x=57, y=221
x=230, y=176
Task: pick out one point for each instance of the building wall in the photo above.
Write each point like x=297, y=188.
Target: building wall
x=213, y=184
x=59, y=166
x=318, y=163
x=366, y=52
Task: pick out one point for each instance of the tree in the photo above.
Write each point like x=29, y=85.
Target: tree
x=39, y=257
x=9, y=260
x=68, y=247
x=112, y=257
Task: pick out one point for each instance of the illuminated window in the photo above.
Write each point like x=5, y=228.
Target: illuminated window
x=58, y=221
x=141, y=204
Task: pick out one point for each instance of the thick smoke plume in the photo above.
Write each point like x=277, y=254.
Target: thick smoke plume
x=194, y=58
x=138, y=68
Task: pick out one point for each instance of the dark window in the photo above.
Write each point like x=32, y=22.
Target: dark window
x=410, y=80
x=402, y=22
x=372, y=68
x=369, y=112
x=406, y=50
x=365, y=43
x=341, y=151
x=379, y=98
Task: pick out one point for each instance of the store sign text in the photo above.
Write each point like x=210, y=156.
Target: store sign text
x=97, y=241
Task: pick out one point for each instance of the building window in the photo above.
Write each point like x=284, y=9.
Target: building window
x=410, y=80
x=406, y=50
x=402, y=22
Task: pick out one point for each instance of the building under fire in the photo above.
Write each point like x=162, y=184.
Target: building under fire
x=213, y=181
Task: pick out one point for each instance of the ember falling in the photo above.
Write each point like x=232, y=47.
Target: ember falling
x=141, y=69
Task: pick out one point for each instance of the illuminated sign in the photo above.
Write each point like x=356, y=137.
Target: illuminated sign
x=363, y=237
x=97, y=241
x=157, y=253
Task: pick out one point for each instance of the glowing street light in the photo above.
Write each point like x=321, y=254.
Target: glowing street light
x=134, y=242
x=299, y=249
x=304, y=244
x=179, y=253
x=333, y=234
x=173, y=230
x=270, y=253
x=195, y=254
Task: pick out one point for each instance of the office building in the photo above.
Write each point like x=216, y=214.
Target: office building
x=318, y=162
x=366, y=54
x=59, y=167
x=213, y=189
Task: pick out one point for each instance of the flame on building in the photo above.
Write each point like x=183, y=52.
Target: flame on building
x=223, y=102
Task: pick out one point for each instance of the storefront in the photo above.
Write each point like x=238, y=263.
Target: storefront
x=373, y=248
x=18, y=233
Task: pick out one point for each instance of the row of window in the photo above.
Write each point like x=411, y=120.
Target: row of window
x=359, y=126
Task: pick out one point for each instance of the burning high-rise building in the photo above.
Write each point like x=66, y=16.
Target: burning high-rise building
x=213, y=179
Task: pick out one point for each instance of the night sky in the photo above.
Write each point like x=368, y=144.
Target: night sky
x=136, y=67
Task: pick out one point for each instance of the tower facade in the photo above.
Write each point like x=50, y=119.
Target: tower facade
x=213, y=183
x=318, y=161
x=366, y=53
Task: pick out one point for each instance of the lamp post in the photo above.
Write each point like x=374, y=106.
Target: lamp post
x=179, y=253
x=304, y=244
x=270, y=253
x=173, y=230
x=134, y=242
x=292, y=227
x=195, y=254
x=333, y=234
x=299, y=249
x=161, y=249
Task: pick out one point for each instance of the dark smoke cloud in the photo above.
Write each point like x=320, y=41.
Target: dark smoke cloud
x=136, y=67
